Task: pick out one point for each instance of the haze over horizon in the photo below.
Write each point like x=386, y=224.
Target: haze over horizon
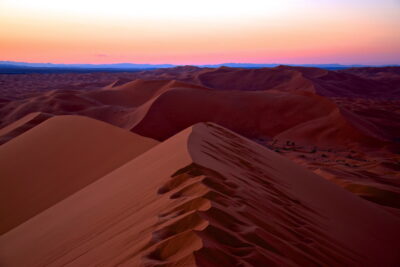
x=168, y=65
x=184, y=33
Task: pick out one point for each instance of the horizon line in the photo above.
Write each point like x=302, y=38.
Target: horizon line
x=194, y=64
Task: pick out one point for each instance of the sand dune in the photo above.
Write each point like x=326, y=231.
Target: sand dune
x=388, y=75
x=253, y=80
x=57, y=158
x=89, y=195
x=344, y=83
x=248, y=113
x=359, y=82
x=329, y=131
x=284, y=94
x=25, y=85
x=344, y=123
x=137, y=92
x=22, y=125
x=207, y=197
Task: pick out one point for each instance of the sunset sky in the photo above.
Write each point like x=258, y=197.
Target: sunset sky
x=201, y=32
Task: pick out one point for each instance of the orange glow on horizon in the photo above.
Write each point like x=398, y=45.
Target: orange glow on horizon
x=294, y=32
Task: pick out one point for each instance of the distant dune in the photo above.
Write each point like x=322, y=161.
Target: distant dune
x=175, y=99
x=253, y=114
x=329, y=130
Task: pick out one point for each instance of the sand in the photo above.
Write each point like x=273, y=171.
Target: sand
x=207, y=197
x=309, y=176
x=334, y=112
x=57, y=158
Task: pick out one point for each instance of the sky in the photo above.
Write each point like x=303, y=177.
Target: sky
x=201, y=32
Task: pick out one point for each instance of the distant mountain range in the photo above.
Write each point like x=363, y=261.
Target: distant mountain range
x=26, y=67
x=256, y=65
x=87, y=66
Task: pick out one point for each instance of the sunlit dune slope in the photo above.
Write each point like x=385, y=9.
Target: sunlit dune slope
x=57, y=158
x=137, y=92
x=207, y=197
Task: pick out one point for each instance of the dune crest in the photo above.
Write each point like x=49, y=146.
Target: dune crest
x=22, y=125
x=331, y=131
x=59, y=157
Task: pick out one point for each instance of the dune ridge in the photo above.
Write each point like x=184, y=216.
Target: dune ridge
x=22, y=125
x=57, y=158
x=207, y=197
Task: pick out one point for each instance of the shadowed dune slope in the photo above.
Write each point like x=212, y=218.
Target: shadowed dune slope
x=302, y=116
x=207, y=197
x=57, y=158
x=225, y=78
x=329, y=131
x=388, y=75
x=22, y=125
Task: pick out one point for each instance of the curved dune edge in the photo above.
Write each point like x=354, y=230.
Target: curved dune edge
x=381, y=194
x=207, y=197
x=22, y=125
x=251, y=114
x=331, y=130
x=57, y=158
